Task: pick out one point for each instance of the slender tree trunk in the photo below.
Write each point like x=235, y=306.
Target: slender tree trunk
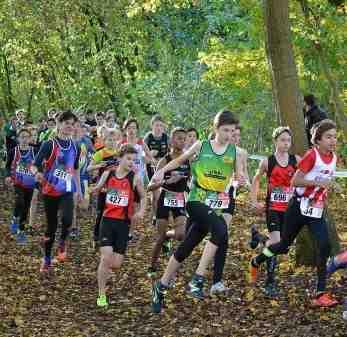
x=288, y=101
x=314, y=23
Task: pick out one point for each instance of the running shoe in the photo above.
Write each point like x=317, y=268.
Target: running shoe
x=219, y=288
x=151, y=272
x=158, y=297
x=256, y=237
x=253, y=272
x=21, y=238
x=62, y=256
x=14, y=226
x=74, y=233
x=324, y=300
x=102, y=301
x=46, y=265
x=195, y=287
x=271, y=289
x=337, y=262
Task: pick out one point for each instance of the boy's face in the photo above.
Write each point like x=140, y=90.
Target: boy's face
x=158, y=127
x=178, y=140
x=24, y=138
x=131, y=129
x=328, y=140
x=225, y=133
x=127, y=162
x=67, y=126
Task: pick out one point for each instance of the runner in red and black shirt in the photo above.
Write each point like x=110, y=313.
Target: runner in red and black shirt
x=312, y=181
x=120, y=184
x=279, y=169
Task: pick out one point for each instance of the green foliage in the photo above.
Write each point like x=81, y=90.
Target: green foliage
x=186, y=59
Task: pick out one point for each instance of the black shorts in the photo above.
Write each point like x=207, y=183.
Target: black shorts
x=114, y=232
x=163, y=212
x=274, y=220
x=150, y=171
x=231, y=208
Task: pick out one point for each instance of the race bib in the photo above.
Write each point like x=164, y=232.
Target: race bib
x=63, y=175
x=117, y=199
x=24, y=171
x=174, y=199
x=217, y=200
x=281, y=195
x=310, y=208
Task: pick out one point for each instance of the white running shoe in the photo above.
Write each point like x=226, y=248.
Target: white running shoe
x=218, y=288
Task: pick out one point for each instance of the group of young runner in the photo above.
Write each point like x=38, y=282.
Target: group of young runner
x=191, y=181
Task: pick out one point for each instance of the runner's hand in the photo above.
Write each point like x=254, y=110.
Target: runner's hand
x=138, y=216
x=154, y=152
x=8, y=181
x=258, y=206
x=325, y=184
x=39, y=177
x=158, y=177
x=174, y=178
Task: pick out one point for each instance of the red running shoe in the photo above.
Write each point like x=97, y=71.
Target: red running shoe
x=324, y=300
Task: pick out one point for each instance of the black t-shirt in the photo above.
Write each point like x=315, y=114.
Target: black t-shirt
x=91, y=122
x=159, y=144
x=184, y=170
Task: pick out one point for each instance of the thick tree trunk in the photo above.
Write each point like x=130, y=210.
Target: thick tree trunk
x=286, y=93
x=287, y=97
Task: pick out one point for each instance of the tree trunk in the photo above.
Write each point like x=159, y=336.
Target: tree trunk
x=287, y=97
x=286, y=93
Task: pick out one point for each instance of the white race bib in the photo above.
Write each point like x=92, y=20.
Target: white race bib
x=216, y=200
x=281, y=195
x=61, y=174
x=310, y=208
x=117, y=200
x=174, y=199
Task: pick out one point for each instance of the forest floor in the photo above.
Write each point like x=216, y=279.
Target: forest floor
x=65, y=305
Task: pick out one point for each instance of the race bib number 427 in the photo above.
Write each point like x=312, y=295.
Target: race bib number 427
x=117, y=200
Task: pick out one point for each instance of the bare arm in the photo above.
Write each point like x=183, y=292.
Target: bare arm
x=155, y=185
x=102, y=181
x=300, y=181
x=95, y=166
x=173, y=164
x=141, y=191
x=148, y=153
x=262, y=169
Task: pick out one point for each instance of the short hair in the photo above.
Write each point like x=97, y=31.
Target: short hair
x=24, y=130
x=128, y=121
x=126, y=149
x=177, y=130
x=310, y=99
x=156, y=118
x=51, y=120
x=89, y=111
x=20, y=110
x=281, y=129
x=238, y=127
x=194, y=130
x=225, y=117
x=67, y=115
x=320, y=128
x=100, y=114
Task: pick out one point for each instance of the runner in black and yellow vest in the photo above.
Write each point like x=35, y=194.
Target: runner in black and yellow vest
x=212, y=169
